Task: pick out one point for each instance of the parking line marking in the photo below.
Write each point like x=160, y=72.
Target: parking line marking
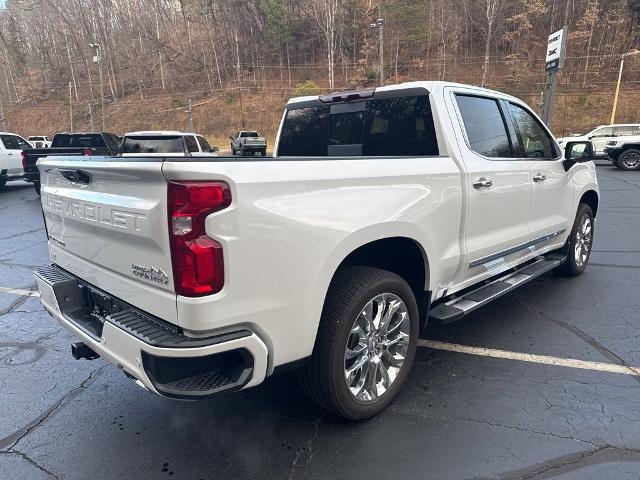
x=528, y=357
x=18, y=291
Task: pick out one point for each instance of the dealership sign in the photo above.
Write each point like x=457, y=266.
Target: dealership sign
x=556, y=48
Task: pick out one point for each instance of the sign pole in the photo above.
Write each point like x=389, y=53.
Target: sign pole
x=549, y=96
x=556, y=50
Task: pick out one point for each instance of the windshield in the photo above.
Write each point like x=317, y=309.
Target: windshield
x=249, y=134
x=151, y=144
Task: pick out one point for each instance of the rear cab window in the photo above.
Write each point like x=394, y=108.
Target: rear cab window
x=400, y=125
x=88, y=140
x=153, y=144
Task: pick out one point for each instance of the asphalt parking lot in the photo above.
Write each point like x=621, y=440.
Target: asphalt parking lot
x=474, y=414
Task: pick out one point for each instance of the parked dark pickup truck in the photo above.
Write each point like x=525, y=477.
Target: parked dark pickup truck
x=69, y=144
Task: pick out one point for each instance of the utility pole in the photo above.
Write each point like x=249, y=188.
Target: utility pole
x=190, y=113
x=97, y=58
x=70, y=107
x=379, y=24
x=91, y=118
x=239, y=80
x=617, y=94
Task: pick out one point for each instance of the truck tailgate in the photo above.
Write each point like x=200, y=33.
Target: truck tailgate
x=107, y=223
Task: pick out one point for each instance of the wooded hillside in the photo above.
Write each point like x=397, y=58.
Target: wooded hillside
x=239, y=59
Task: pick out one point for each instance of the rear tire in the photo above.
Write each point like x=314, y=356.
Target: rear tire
x=579, y=244
x=357, y=367
x=3, y=182
x=629, y=159
x=36, y=186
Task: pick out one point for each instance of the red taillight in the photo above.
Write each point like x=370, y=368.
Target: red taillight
x=86, y=152
x=198, y=267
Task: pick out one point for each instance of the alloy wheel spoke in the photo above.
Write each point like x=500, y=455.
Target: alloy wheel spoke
x=372, y=384
x=359, y=364
x=399, y=339
x=391, y=310
x=359, y=349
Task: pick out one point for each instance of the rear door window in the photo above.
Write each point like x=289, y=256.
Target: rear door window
x=153, y=144
x=485, y=126
x=626, y=131
x=192, y=144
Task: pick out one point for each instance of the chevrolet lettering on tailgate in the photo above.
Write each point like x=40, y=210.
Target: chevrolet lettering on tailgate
x=88, y=212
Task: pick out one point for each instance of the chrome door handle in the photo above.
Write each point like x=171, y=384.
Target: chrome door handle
x=539, y=178
x=482, y=183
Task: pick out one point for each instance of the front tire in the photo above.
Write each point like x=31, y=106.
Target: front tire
x=580, y=243
x=36, y=186
x=629, y=159
x=365, y=345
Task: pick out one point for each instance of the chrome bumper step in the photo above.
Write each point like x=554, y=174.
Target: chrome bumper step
x=462, y=305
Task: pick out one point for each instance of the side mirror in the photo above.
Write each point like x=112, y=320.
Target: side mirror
x=231, y=138
x=577, y=152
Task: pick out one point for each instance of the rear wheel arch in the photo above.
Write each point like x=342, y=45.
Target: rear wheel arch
x=401, y=255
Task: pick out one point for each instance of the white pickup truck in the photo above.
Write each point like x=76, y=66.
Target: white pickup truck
x=382, y=211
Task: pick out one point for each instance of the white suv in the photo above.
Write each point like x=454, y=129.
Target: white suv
x=602, y=135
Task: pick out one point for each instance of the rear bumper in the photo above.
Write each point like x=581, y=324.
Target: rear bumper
x=156, y=354
x=253, y=148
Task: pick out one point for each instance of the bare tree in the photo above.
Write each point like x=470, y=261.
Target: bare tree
x=325, y=12
x=485, y=14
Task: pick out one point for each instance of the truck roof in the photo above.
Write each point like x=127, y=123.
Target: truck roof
x=430, y=86
x=158, y=133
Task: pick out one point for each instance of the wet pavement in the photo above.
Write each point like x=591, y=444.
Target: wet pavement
x=460, y=416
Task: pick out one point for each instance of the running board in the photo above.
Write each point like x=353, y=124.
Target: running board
x=463, y=305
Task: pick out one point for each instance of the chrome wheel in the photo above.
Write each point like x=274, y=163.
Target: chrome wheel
x=377, y=347
x=584, y=239
x=631, y=160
